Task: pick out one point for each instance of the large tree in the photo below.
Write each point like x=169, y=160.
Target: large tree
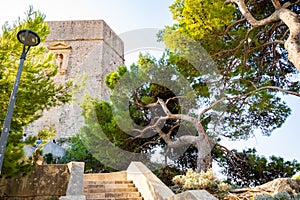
x=154, y=103
x=223, y=74
x=37, y=90
x=251, y=61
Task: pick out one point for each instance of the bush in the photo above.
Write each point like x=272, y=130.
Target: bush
x=282, y=196
x=263, y=197
x=202, y=180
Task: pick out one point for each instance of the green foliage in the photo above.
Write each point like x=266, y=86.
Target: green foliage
x=239, y=49
x=278, y=196
x=78, y=152
x=282, y=196
x=167, y=173
x=252, y=170
x=47, y=133
x=16, y=161
x=37, y=90
x=241, y=58
x=264, y=111
x=102, y=136
x=49, y=159
x=263, y=197
x=112, y=78
x=147, y=81
x=147, y=100
x=102, y=117
x=200, y=18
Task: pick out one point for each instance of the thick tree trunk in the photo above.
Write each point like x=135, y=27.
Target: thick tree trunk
x=203, y=163
x=203, y=145
x=204, y=159
x=292, y=45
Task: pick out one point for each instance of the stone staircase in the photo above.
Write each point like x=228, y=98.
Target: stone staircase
x=110, y=186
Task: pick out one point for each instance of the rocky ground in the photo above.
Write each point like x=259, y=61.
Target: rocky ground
x=281, y=188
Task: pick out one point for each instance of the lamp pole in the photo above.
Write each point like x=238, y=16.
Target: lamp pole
x=28, y=38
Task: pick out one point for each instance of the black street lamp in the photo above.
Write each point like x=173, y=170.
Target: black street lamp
x=29, y=39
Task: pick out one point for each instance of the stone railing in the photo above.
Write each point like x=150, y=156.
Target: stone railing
x=152, y=188
x=147, y=183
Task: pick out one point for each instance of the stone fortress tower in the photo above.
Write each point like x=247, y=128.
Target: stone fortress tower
x=84, y=50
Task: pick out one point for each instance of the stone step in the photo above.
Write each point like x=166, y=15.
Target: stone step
x=132, y=198
x=106, y=176
x=107, y=186
x=105, y=189
x=110, y=186
x=113, y=195
x=100, y=182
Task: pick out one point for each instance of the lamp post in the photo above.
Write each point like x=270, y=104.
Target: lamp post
x=28, y=38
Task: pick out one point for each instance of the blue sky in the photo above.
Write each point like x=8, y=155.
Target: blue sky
x=121, y=15
x=127, y=15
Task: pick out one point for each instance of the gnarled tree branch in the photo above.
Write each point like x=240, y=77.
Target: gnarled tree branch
x=291, y=19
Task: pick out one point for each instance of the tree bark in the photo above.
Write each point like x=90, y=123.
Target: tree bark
x=292, y=44
x=204, y=159
x=203, y=145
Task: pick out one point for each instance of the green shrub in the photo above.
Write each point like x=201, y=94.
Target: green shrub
x=282, y=196
x=202, y=180
x=263, y=197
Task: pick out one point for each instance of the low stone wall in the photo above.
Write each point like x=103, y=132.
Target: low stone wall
x=43, y=183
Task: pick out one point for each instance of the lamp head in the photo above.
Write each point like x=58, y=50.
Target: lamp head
x=28, y=38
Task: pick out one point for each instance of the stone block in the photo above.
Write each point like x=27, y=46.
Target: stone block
x=76, y=185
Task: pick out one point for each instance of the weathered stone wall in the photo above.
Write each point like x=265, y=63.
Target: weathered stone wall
x=44, y=182
x=88, y=50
